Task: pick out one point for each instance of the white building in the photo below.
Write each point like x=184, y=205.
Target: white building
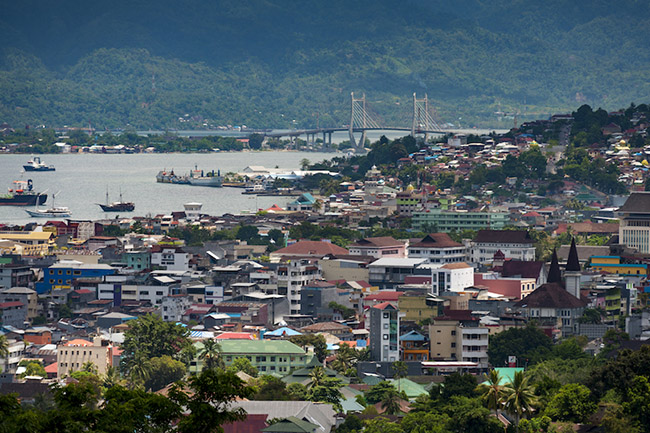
x=452, y=277
x=293, y=275
x=71, y=356
x=384, y=332
x=438, y=248
x=514, y=244
x=634, y=228
x=170, y=258
x=174, y=306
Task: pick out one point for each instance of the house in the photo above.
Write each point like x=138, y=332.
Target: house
x=13, y=275
x=24, y=295
x=320, y=414
x=415, y=346
x=304, y=203
x=13, y=314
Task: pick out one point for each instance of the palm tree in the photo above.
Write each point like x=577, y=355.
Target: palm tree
x=492, y=391
x=317, y=377
x=139, y=372
x=211, y=354
x=89, y=367
x=4, y=350
x=112, y=377
x=400, y=370
x=519, y=396
x=390, y=402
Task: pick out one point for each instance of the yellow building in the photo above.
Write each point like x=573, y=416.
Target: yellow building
x=613, y=265
x=35, y=243
x=419, y=306
x=71, y=356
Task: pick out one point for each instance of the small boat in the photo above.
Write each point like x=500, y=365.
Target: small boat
x=35, y=164
x=22, y=194
x=53, y=212
x=117, y=206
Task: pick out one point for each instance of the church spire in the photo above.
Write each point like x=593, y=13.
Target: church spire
x=572, y=263
x=554, y=273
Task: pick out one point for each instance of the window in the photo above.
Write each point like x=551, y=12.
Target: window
x=385, y=336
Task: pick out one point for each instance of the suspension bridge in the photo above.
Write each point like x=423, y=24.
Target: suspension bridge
x=362, y=121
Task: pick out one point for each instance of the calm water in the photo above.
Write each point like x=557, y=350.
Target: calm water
x=83, y=180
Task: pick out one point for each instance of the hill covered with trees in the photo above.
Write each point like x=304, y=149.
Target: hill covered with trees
x=266, y=63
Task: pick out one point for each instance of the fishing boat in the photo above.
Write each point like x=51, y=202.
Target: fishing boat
x=117, y=206
x=22, y=194
x=35, y=164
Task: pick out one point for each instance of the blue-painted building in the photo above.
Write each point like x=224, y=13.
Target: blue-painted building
x=61, y=275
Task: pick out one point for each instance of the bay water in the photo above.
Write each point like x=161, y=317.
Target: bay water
x=84, y=179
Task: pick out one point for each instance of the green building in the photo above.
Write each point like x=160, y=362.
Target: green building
x=268, y=356
x=137, y=259
x=444, y=221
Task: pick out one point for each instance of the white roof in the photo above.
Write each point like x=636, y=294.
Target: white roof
x=398, y=262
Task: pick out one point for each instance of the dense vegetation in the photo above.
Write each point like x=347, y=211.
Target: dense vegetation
x=270, y=63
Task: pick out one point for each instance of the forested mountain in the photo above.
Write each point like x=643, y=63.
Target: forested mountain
x=265, y=63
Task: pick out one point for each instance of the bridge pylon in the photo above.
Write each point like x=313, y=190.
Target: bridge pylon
x=359, y=120
x=422, y=118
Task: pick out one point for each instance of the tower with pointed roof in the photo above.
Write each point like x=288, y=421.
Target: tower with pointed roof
x=572, y=272
x=554, y=273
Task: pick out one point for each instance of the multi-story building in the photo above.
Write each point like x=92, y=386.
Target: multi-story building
x=384, y=332
x=408, y=202
x=459, y=339
x=438, y=248
x=513, y=244
x=317, y=295
x=119, y=288
x=71, y=356
x=451, y=277
x=634, y=227
x=417, y=306
x=268, y=356
x=378, y=247
x=61, y=275
x=173, y=307
x=16, y=352
x=34, y=243
x=456, y=221
x=415, y=347
x=387, y=273
x=137, y=260
x=170, y=258
x=293, y=276
x=27, y=297
x=14, y=314
x=15, y=276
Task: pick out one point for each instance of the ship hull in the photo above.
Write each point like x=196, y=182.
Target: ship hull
x=23, y=200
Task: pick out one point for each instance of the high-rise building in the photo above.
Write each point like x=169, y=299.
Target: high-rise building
x=384, y=332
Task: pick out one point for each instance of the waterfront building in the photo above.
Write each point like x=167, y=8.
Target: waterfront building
x=34, y=243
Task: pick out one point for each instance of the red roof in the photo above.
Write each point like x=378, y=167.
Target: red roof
x=384, y=295
x=83, y=291
x=51, y=368
x=4, y=305
x=235, y=336
x=384, y=305
x=311, y=248
x=78, y=342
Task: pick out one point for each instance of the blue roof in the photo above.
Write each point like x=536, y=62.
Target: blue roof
x=413, y=336
x=284, y=331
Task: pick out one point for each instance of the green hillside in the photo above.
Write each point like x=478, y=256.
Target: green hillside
x=266, y=63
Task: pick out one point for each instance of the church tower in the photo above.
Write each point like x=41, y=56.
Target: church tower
x=572, y=271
